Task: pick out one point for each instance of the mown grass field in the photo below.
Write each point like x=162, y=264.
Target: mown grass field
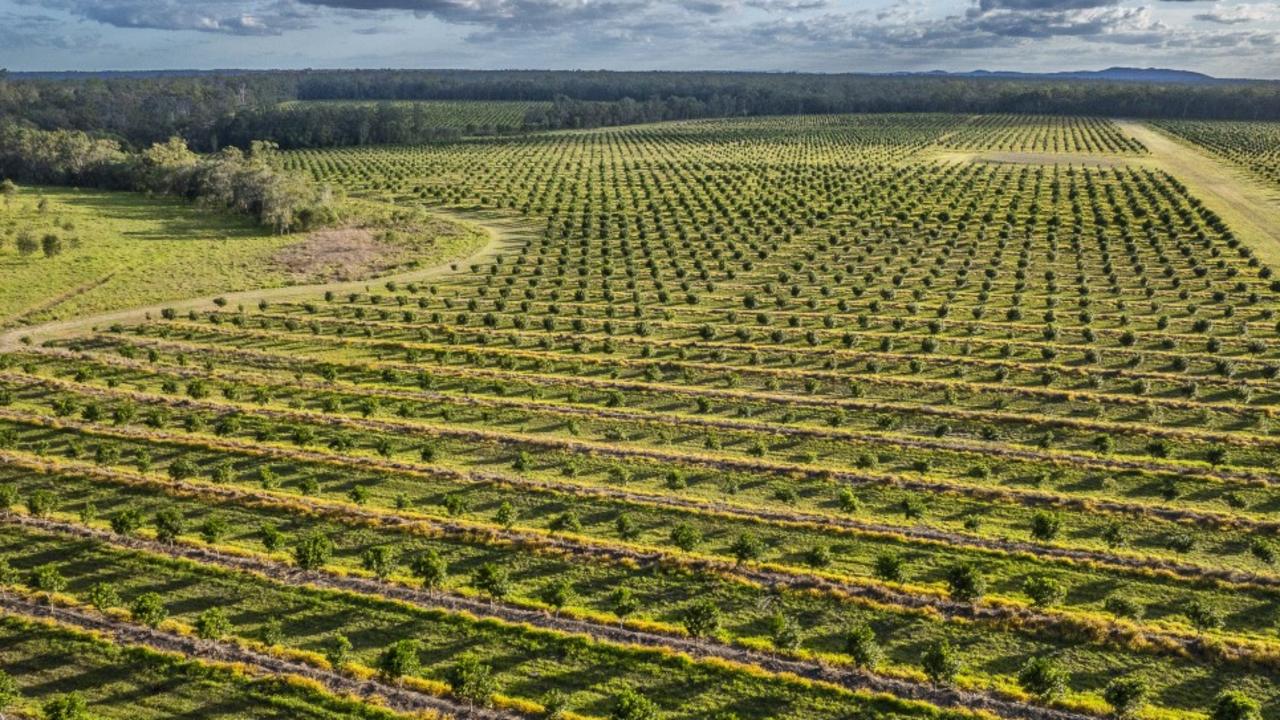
x=763, y=418
x=114, y=251
x=120, y=250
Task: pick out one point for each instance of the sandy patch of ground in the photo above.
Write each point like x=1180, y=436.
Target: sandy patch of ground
x=1039, y=158
x=338, y=254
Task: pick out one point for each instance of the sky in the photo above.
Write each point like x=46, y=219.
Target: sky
x=1226, y=38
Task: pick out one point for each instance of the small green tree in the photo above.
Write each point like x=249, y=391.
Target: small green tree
x=685, y=536
x=10, y=693
x=338, y=650
x=940, y=663
x=1126, y=696
x=558, y=594
x=1203, y=615
x=47, y=578
x=213, y=623
x=506, y=515
x=1043, y=590
x=747, y=546
x=169, y=525
x=624, y=602
x=1045, y=525
x=965, y=582
x=71, y=706
x=27, y=243
x=1042, y=677
x=400, y=659
x=430, y=568
x=493, y=580
x=472, y=681
x=214, y=528
x=702, y=618
x=631, y=705
x=555, y=705
x=862, y=647
x=103, y=595
x=380, y=560
x=127, y=521
x=272, y=632
x=149, y=609
x=313, y=551
x=889, y=566
x=51, y=245
x=41, y=503
x=1235, y=705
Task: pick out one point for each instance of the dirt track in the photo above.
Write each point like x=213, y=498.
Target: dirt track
x=1249, y=207
x=849, y=678
x=395, y=697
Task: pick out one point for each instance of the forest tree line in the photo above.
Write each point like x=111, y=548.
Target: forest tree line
x=213, y=110
x=233, y=179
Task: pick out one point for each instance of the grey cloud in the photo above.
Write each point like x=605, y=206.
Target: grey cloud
x=1237, y=15
x=527, y=14
x=231, y=17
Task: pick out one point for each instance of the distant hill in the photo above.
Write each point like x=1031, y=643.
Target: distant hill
x=1121, y=74
x=1115, y=74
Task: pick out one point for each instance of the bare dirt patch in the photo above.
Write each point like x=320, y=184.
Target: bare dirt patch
x=338, y=254
x=1040, y=158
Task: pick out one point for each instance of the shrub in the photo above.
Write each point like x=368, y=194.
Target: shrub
x=965, y=582
x=1043, y=590
x=313, y=551
x=10, y=693
x=149, y=609
x=861, y=646
x=1043, y=678
x=400, y=659
x=1235, y=705
x=702, y=618
x=1126, y=696
x=472, y=681
x=71, y=706
x=631, y=705
x=213, y=623
x=493, y=580
x=940, y=663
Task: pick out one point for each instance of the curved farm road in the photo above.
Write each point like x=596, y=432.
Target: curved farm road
x=1250, y=208
x=505, y=233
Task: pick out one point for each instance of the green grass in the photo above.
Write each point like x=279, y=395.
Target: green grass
x=122, y=250
x=137, y=684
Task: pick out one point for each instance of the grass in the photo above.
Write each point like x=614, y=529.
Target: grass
x=123, y=250
x=802, y=331
x=51, y=662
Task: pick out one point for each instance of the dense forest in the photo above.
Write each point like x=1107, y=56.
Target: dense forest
x=213, y=110
x=242, y=182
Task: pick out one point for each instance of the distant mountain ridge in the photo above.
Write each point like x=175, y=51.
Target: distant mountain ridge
x=1123, y=74
x=1114, y=74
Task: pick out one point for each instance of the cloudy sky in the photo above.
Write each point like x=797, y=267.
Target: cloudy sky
x=1220, y=37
